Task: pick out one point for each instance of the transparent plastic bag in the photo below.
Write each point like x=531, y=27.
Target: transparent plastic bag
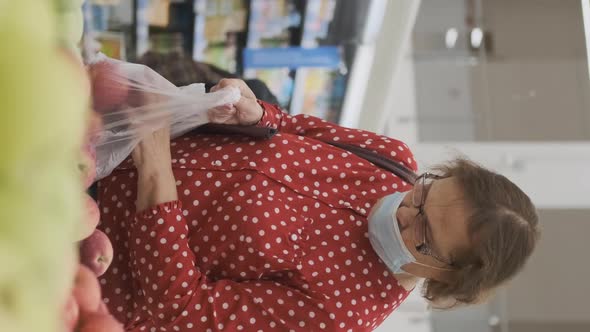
x=132, y=100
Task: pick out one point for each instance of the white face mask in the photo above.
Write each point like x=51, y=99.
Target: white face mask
x=385, y=235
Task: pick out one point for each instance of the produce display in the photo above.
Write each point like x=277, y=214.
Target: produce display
x=50, y=252
x=55, y=141
x=84, y=310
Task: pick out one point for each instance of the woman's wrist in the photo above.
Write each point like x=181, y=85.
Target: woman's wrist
x=153, y=170
x=155, y=186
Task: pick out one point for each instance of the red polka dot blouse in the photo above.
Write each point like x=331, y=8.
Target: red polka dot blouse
x=267, y=234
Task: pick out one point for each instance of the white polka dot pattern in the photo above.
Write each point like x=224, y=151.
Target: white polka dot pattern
x=267, y=235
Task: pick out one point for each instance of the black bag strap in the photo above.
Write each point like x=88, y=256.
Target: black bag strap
x=225, y=129
x=392, y=166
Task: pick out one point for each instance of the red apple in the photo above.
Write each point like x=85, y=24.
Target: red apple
x=91, y=218
x=140, y=98
x=95, y=322
x=109, y=86
x=96, y=252
x=71, y=314
x=86, y=290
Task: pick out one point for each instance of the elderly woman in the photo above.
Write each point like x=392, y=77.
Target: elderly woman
x=290, y=233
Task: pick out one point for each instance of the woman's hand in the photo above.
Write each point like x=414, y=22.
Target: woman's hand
x=155, y=181
x=245, y=112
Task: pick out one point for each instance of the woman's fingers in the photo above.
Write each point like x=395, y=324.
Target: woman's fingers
x=225, y=114
x=249, y=112
x=237, y=83
x=246, y=111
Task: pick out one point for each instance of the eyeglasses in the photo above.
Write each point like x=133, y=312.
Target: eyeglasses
x=421, y=188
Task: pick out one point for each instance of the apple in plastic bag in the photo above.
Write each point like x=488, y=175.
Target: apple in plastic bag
x=86, y=290
x=96, y=252
x=95, y=322
x=109, y=86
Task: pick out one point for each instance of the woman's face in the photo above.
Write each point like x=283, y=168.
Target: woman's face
x=446, y=214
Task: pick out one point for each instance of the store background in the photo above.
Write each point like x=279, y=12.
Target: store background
x=504, y=82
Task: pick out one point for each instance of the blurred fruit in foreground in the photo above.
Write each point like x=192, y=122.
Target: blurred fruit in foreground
x=42, y=103
x=100, y=323
x=71, y=314
x=86, y=290
x=84, y=309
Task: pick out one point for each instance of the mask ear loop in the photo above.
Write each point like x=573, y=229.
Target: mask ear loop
x=445, y=277
x=436, y=267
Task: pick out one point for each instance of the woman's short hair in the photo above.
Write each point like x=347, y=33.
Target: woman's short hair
x=503, y=227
